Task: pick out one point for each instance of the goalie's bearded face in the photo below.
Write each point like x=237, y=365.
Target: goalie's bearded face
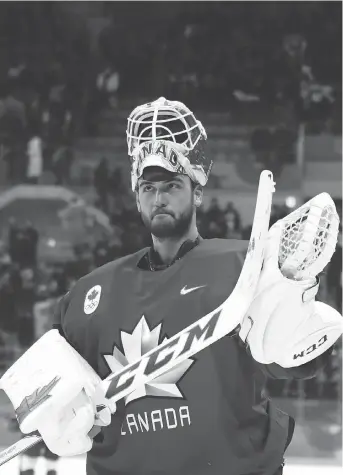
x=165, y=201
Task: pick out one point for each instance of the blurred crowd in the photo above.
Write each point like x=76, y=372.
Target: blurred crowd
x=42, y=86
x=223, y=54
x=260, y=63
x=35, y=131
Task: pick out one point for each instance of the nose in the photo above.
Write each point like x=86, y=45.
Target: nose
x=160, y=199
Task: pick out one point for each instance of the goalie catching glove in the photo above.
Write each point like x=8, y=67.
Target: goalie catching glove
x=56, y=392
x=284, y=324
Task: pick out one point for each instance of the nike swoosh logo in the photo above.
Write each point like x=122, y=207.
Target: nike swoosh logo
x=186, y=291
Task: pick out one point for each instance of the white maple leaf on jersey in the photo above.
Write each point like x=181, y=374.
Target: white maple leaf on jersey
x=135, y=345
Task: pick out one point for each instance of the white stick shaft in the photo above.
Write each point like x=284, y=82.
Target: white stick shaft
x=19, y=447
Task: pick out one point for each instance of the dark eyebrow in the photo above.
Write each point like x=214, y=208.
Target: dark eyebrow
x=144, y=183
x=177, y=178
x=147, y=182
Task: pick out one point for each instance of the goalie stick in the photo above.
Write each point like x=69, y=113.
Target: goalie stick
x=201, y=334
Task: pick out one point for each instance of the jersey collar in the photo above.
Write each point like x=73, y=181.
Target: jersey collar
x=152, y=261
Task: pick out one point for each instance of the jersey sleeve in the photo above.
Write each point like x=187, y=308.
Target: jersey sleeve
x=58, y=316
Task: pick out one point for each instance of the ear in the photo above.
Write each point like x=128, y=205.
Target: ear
x=198, y=195
x=137, y=202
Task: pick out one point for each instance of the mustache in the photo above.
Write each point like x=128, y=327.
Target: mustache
x=161, y=211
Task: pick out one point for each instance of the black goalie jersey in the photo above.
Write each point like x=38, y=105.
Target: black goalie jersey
x=206, y=416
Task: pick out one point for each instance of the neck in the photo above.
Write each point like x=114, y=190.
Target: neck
x=167, y=248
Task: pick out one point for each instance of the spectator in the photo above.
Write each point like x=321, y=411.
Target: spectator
x=117, y=192
x=202, y=224
x=108, y=82
x=233, y=221
x=9, y=292
x=35, y=158
x=83, y=263
x=5, y=258
x=263, y=146
x=25, y=301
x=21, y=246
x=22, y=243
x=61, y=164
x=216, y=220
x=68, y=125
x=12, y=110
x=101, y=183
x=214, y=212
x=16, y=70
x=232, y=225
x=104, y=93
x=13, y=239
x=334, y=274
x=9, y=284
x=77, y=220
x=116, y=181
x=32, y=236
x=12, y=133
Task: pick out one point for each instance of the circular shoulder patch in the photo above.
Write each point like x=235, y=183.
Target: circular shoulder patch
x=92, y=299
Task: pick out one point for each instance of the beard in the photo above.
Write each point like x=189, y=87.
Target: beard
x=169, y=226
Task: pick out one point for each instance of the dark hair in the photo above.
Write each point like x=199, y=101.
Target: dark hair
x=194, y=185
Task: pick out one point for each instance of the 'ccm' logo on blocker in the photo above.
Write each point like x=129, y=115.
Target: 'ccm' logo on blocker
x=311, y=348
